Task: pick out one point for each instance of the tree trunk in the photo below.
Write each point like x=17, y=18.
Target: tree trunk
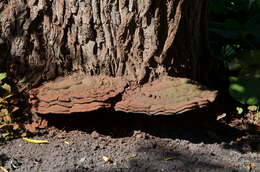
x=137, y=40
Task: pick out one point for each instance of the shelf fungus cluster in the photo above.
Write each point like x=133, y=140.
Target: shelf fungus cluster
x=79, y=93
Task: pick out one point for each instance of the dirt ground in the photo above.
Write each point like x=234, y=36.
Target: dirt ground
x=133, y=143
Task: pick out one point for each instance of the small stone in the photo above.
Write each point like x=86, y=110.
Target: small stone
x=95, y=135
x=82, y=160
x=52, y=133
x=139, y=134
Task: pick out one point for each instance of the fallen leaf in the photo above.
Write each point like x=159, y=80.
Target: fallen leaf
x=168, y=159
x=3, y=169
x=31, y=127
x=252, y=108
x=8, y=96
x=257, y=115
x=5, y=134
x=5, y=112
x=15, y=108
x=238, y=139
x=221, y=116
x=106, y=159
x=250, y=165
x=6, y=87
x=15, y=126
x=66, y=142
x=2, y=100
x=24, y=134
x=35, y=141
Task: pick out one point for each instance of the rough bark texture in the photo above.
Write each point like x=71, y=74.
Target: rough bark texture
x=138, y=41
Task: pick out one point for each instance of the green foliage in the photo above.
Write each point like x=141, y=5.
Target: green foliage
x=6, y=109
x=239, y=110
x=234, y=27
x=234, y=30
x=11, y=120
x=245, y=87
x=5, y=89
x=235, y=18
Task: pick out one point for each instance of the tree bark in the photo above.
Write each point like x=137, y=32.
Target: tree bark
x=136, y=40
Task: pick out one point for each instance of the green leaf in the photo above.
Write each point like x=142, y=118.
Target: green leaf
x=233, y=79
x=8, y=96
x=237, y=88
x=246, y=88
x=252, y=101
x=257, y=115
x=6, y=87
x=5, y=134
x=2, y=76
x=239, y=110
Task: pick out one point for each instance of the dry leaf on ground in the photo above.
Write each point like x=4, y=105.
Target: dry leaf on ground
x=3, y=169
x=107, y=159
x=168, y=159
x=35, y=141
x=250, y=165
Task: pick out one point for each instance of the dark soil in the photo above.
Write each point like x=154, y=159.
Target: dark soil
x=134, y=142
